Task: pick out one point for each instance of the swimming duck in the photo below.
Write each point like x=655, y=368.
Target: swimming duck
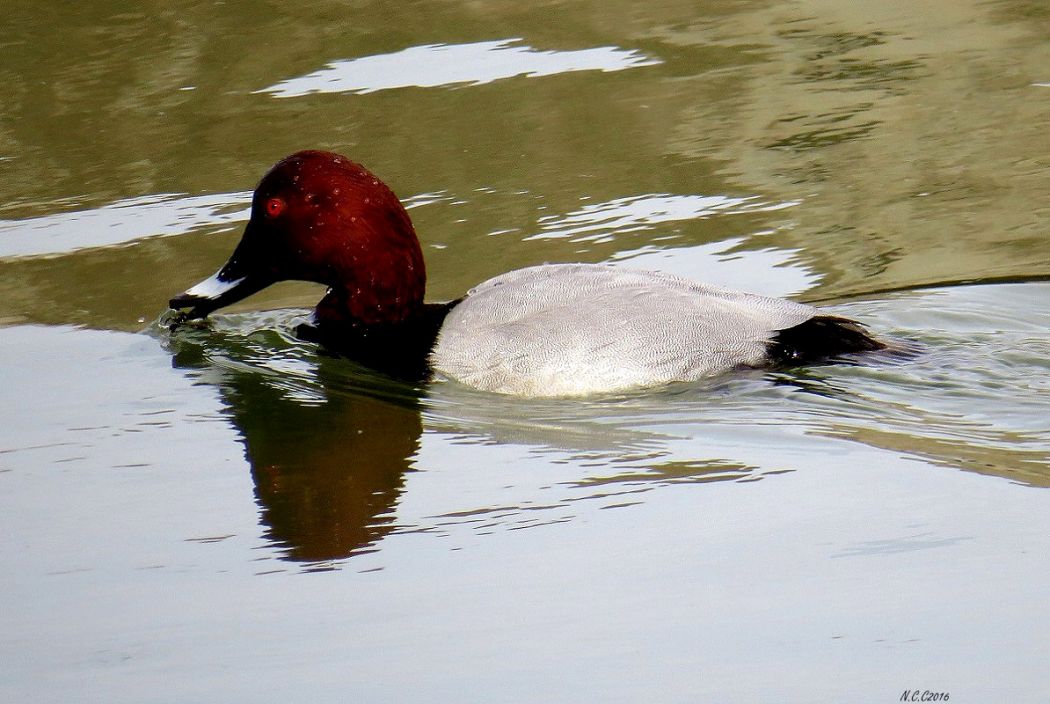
x=547, y=330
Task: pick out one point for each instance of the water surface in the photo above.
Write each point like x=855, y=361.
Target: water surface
x=228, y=509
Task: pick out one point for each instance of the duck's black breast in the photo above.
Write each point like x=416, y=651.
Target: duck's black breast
x=398, y=349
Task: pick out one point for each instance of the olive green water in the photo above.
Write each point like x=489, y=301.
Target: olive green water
x=228, y=514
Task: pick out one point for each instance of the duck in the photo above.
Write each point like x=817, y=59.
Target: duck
x=549, y=330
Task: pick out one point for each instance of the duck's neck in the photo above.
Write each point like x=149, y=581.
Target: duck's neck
x=372, y=299
x=393, y=339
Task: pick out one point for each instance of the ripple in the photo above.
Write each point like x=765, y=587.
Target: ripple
x=597, y=221
x=132, y=219
x=434, y=65
x=119, y=222
x=770, y=271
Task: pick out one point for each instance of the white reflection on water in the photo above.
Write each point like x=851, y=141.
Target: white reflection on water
x=120, y=222
x=770, y=272
x=131, y=219
x=597, y=221
x=447, y=64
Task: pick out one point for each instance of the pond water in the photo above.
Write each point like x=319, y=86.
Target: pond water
x=227, y=513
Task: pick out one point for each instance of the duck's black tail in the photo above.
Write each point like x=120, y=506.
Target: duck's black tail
x=819, y=339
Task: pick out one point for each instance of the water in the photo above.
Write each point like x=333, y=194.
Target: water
x=229, y=510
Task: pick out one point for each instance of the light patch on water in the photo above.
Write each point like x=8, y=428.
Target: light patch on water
x=120, y=222
x=598, y=221
x=770, y=272
x=131, y=219
x=435, y=65
x=422, y=199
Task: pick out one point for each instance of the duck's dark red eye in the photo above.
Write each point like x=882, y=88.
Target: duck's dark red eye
x=274, y=207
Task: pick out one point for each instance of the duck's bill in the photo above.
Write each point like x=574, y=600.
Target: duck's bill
x=228, y=285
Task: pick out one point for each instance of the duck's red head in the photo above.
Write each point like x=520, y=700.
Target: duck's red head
x=317, y=216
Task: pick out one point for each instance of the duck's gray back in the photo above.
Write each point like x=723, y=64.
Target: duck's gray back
x=573, y=329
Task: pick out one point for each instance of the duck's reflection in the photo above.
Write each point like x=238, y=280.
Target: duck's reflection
x=327, y=462
x=329, y=442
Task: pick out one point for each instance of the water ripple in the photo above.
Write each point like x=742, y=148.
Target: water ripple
x=434, y=65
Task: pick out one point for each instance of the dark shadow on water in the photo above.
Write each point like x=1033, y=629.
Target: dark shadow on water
x=327, y=460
